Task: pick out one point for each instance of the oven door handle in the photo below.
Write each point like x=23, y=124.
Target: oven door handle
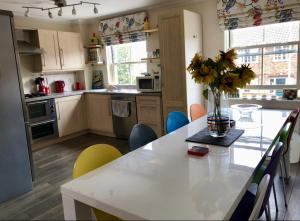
x=37, y=102
x=41, y=123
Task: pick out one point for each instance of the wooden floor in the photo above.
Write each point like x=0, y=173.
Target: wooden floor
x=54, y=167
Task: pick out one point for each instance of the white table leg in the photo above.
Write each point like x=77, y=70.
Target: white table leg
x=75, y=210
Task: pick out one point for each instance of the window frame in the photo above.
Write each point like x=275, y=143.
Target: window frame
x=111, y=65
x=269, y=87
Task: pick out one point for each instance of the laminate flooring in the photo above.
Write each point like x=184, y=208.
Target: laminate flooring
x=53, y=167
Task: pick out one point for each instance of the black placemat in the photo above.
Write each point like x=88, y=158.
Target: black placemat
x=204, y=137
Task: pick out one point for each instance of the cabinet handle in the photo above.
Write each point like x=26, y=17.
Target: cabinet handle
x=62, y=59
x=58, y=111
x=43, y=57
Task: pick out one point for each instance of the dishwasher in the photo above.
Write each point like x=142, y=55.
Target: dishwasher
x=123, y=125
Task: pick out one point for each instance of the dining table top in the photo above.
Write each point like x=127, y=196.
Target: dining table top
x=161, y=181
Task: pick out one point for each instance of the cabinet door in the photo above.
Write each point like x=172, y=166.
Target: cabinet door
x=70, y=115
x=49, y=44
x=99, y=113
x=171, y=37
x=149, y=112
x=71, y=50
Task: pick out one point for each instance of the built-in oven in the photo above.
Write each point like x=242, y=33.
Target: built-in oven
x=41, y=120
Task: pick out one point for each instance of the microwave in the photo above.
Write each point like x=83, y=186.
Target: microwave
x=149, y=83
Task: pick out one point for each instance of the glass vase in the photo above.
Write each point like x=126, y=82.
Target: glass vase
x=218, y=118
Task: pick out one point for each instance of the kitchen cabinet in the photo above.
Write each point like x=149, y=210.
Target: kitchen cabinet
x=61, y=51
x=178, y=45
x=70, y=114
x=71, y=50
x=50, y=51
x=99, y=113
x=149, y=111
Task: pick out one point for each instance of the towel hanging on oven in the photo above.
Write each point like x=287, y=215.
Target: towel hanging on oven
x=121, y=108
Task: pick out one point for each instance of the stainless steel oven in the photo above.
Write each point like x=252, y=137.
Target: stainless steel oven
x=41, y=120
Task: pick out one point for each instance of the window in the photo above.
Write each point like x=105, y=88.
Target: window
x=272, y=52
x=125, y=62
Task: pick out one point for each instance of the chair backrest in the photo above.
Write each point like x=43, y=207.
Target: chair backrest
x=93, y=157
x=260, y=196
x=141, y=135
x=293, y=120
x=197, y=111
x=176, y=119
x=271, y=169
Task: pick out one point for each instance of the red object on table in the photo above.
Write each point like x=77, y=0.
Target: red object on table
x=77, y=86
x=198, y=151
x=59, y=86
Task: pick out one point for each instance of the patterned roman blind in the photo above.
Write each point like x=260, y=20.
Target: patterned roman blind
x=123, y=29
x=234, y=14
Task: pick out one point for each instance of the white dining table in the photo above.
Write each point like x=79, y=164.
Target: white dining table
x=160, y=181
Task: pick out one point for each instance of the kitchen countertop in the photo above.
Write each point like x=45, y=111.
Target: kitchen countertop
x=99, y=91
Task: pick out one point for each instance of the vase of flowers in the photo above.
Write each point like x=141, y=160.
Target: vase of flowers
x=221, y=76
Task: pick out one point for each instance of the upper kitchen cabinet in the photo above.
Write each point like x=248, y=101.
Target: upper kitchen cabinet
x=60, y=51
x=50, y=51
x=71, y=50
x=178, y=44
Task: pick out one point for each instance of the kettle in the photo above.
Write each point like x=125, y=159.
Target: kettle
x=59, y=86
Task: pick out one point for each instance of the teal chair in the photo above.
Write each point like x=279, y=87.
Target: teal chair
x=141, y=135
x=176, y=120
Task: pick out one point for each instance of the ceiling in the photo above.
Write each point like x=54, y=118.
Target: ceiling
x=107, y=7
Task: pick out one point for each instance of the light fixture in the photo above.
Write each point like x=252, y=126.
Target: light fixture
x=26, y=12
x=59, y=13
x=59, y=4
x=73, y=10
x=50, y=14
x=95, y=9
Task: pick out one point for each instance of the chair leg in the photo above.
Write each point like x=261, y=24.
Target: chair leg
x=268, y=211
x=286, y=178
x=283, y=185
x=267, y=214
x=275, y=198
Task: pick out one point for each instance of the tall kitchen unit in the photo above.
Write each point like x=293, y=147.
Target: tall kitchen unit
x=15, y=173
x=180, y=37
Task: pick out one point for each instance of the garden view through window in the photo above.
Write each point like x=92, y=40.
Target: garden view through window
x=272, y=53
x=126, y=63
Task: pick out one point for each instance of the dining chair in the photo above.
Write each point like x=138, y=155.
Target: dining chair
x=248, y=201
x=141, y=135
x=92, y=158
x=197, y=111
x=175, y=120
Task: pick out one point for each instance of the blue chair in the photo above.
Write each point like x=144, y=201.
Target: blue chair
x=141, y=135
x=247, y=203
x=176, y=120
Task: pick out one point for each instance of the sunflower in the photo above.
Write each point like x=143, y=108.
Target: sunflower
x=204, y=74
x=195, y=63
x=227, y=58
x=229, y=83
x=246, y=75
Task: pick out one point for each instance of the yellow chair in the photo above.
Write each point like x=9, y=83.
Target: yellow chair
x=91, y=158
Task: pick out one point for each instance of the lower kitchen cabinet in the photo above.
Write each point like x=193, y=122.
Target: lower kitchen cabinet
x=70, y=114
x=149, y=111
x=99, y=113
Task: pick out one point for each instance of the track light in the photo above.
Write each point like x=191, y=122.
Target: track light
x=73, y=10
x=59, y=13
x=50, y=14
x=26, y=12
x=95, y=9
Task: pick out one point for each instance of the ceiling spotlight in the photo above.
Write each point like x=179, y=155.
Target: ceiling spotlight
x=50, y=14
x=59, y=12
x=73, y=10
x=95, y=9
x=26, y=12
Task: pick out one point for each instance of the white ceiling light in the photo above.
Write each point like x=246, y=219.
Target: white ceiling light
x=62, y=4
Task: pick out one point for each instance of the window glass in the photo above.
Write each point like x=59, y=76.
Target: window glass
x=126, y=62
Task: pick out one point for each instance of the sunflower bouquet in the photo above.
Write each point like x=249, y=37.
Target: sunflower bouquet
x=221, y=75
